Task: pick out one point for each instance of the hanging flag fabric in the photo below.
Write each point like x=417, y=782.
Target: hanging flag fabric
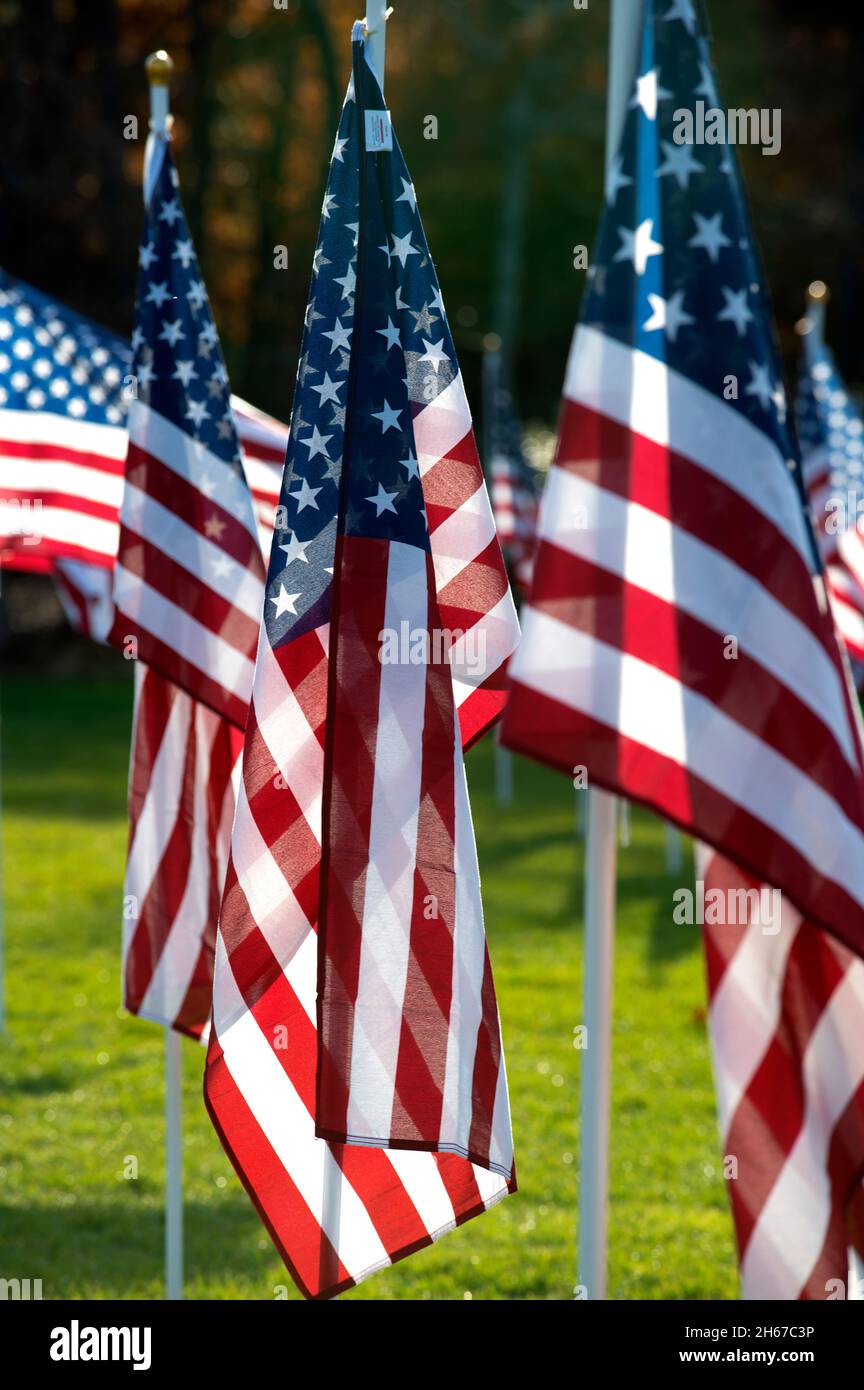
x=512, y=481
x=188, y=586
x=786, y=1019
x=678, y=642
x=182, y=789
x=831, y=432
x=351, y=953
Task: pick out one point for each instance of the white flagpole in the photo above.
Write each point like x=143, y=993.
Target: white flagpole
x=600, y=853
x=377, y=14
x=159, y=68
x=674, y=850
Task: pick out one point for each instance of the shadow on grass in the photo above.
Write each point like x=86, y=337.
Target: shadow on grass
x=118, y=1246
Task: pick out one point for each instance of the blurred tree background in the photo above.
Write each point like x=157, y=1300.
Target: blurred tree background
x=518, y=91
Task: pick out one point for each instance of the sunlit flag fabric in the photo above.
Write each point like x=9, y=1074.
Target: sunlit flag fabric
x=786, y=1020
x=353, y=873
x=188, y=586
x=62, y=432
x=512, y=482
x=678, y=642
x=831, y=432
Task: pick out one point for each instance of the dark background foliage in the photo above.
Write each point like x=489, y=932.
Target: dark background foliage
x=509, y=187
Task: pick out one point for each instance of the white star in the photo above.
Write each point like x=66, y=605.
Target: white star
x=616, y=180
x=157, y=294
x=707, y=87
x=329, y=202
x=388, y=416
x=383, y=501
x=735, y=310
x=185, y=372
x=184, y=252
x=668, y=314
x=433, y=353
x=328, y=391
x=170, y=212
x=648, y=93
x=197, y=412
x=220, y=566
x=402, y=247
x=759, y=384
x=306, y=495
x=285, y=602
x=391, y=333
x=638, y=246
x=709, y=234
x=147, y=255
x=683, y=10
x=338, y=147
x=171, y=332
x=679, y=161
x=295, y=549
x=196, y=294
x=408, y=195
x=339, y=335
x=317, y=443
x=348, y=281
x=410, y=465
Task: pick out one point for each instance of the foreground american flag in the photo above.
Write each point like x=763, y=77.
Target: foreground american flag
x=181, y=803
x=787, y=1020
x=189, y=580
x=512, y=482
x=678, y=641
x=831, y=432
x=353, y=871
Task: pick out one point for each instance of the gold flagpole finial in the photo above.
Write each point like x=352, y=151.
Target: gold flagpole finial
x=818, y=292
x=159, y=68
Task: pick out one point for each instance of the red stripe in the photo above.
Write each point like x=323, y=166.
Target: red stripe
x=72, y=502
x=38, y=451
x=598, y=602
x=177, y=669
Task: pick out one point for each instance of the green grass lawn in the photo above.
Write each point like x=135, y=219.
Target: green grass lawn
x=81, y=1082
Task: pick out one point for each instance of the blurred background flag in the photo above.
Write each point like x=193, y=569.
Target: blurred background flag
x=353, y=808
x=512, y=481
x=831, y=432
x=678, y=640
x=786, y=1020
x=188, y=586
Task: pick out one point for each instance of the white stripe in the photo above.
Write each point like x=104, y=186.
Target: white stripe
x=209, y=563
x=62, y=526
x=484, y=648
x=39, y=477
x=46, y=427
x=644, y=549
x=156, y=614
x=461, y=537
x=190, y=460
x=289, y=1128
x=294, y=747
x=661, y=404
x=657, y=711
x=389, y=886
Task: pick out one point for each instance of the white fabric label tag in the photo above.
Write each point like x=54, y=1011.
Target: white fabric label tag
x=379, y=132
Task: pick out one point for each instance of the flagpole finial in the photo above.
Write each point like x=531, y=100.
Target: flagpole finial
x=159, y=67
x=818, y=292
x=375, y=27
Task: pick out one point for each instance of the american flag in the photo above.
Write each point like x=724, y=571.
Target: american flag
x=181, y=803
x=678, y=641
x=786, y=1019
x=188, y=585
x=353, y=811
x=512, y=481
x=831, y=432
